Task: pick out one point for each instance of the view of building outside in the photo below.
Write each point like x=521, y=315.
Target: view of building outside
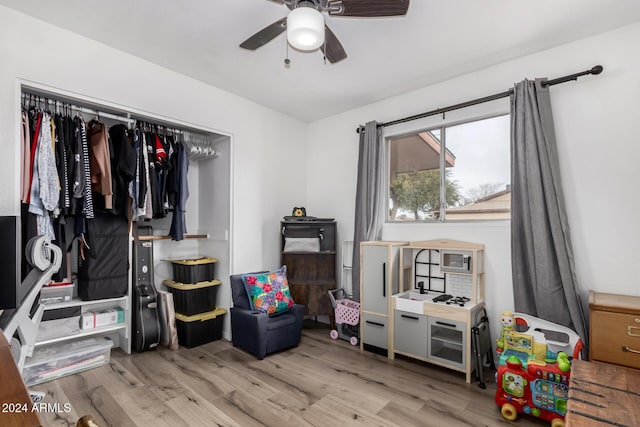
x=476, y=174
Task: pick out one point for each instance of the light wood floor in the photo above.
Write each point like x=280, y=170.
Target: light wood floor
x=319, y=383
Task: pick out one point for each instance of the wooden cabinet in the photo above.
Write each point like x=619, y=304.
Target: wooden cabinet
x=410, y=333
x=308, y=249
x=614, y=332
x=379, y=269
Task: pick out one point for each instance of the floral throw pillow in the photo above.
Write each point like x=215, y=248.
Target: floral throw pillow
x=269, y=292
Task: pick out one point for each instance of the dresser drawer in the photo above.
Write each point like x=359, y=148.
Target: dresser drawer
x=615, y=338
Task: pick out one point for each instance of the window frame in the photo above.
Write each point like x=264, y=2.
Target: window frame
x=442, y=162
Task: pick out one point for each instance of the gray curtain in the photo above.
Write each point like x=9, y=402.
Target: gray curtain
x=370, y=194
x=544, y=282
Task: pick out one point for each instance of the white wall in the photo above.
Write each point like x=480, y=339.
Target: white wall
x=596, y=122
x=263, y=189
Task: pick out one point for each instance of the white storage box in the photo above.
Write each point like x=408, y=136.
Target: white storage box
x=97, y=318
x=58, y=360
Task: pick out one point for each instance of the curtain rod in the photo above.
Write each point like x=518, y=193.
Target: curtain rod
x=594, y=70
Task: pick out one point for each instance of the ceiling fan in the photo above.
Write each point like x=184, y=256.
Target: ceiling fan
x=306, y=29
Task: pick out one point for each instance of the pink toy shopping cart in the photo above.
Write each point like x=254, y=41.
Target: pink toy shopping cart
x=347, y=315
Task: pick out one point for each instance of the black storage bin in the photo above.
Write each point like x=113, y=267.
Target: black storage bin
x=199, y=329
x=193, y=298
x=194, y=270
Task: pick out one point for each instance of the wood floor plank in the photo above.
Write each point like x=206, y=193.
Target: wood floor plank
x=249, y=411
x=145, y=367
x=102, y=406
x=195, y=376
x=342, y=414
x=54, y=394
x=234, y=373
x=144, y=407
x=198, y=412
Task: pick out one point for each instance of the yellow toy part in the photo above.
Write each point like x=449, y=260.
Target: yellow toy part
x=507, y=320
x=539, y=350
x=509, y=412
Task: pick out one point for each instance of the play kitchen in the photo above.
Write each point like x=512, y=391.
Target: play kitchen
x=436, y=295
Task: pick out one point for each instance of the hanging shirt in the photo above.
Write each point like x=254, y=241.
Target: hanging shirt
x=36, y=119
x=100, y=158
x=44, y=182
x=47, y=170
x=145, y=210
x=25, y=157
x=61, y=164
x=87, y=197
x=178, y=222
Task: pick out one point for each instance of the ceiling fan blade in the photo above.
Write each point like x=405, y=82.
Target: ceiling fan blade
x=368, y=8
x=265, y=35
x=289, y=3
x=334, y=51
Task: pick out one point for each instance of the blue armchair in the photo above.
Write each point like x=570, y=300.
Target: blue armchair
x=258, y=333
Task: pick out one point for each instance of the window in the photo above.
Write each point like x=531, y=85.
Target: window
x=452, y=173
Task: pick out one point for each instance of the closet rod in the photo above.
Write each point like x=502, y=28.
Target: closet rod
x=102, y=114
x=41, y=97
x=594, y=70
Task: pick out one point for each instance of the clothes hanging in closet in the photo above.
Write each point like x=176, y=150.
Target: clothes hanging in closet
x=178, y=222
x=70, y=169
x=100, y=161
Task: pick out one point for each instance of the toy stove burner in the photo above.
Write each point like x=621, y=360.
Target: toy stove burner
x=458, y=301
x=442, y=298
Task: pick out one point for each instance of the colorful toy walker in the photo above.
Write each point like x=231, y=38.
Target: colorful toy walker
x=534, y=369
x=347, y=316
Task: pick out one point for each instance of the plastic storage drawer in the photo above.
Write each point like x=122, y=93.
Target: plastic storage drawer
x=194, y=270
x=200, y=328
x=193, y=298
x=58, y=360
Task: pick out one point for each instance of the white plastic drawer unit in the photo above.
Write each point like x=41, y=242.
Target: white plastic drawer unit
x=375, y=330
x=447, y=340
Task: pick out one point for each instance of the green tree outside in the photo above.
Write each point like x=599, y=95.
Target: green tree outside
x=419, y=193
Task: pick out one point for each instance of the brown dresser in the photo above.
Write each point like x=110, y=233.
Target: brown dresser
x=614, y=332
x=17, y=409
x=602, y=395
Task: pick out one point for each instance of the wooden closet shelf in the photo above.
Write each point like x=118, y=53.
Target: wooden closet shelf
x=186, y=236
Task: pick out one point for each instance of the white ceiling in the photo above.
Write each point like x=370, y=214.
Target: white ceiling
x=438, y=39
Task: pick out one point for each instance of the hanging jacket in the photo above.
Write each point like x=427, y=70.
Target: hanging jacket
x=123, y=167
x=100, y=158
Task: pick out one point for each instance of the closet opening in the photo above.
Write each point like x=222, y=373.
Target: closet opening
x=192, y=221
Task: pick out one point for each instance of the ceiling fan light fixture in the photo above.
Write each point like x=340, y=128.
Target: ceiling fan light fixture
x=305, y=28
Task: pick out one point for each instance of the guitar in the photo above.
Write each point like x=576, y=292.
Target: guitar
x=145, y=297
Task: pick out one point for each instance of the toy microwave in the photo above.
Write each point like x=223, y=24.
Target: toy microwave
x=453, y=261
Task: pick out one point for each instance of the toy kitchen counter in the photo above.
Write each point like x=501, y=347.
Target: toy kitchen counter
x=601, y=395
x=434, y=331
